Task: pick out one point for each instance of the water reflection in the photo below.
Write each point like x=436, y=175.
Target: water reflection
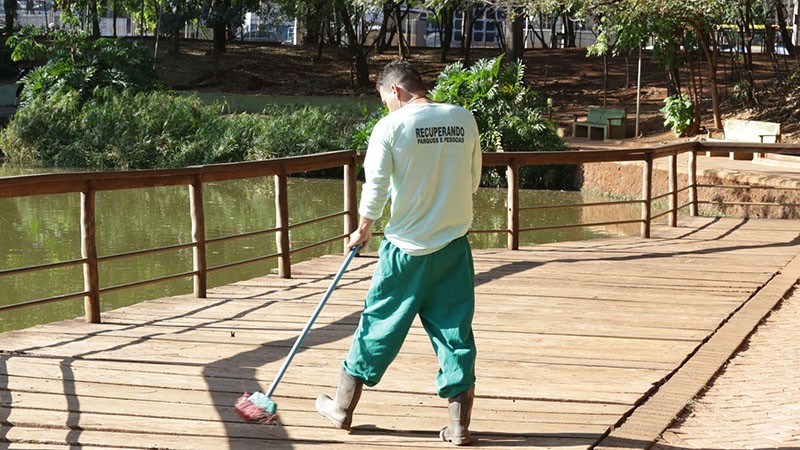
x=41, y=229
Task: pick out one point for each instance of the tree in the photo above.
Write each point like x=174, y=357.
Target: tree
x=351, y=16
x=87, y=11
x=684, y=35
x=175, y=14
x=516, y=36
x=10, y=9
x=445, y=11
x=220, y=14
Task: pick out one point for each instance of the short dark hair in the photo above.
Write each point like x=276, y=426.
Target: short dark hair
x=401, y=73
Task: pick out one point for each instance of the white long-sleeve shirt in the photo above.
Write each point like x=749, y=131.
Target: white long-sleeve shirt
x=428, y=157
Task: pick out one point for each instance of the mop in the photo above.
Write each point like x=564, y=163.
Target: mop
x=258, y=407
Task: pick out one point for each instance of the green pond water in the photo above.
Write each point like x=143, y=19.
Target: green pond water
x=45, y=229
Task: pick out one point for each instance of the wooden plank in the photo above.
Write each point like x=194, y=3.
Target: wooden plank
x=658, y=411
x=360, y=439
x=571, y=337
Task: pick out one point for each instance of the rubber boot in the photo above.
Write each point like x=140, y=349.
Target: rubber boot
x=460, y=409
x=340, y=409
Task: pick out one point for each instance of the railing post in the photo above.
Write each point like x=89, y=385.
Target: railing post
x=198, y=237
x=512, y=175
x=673, y=189
x=282, y=219
x=693, y=183
x=91, y=277
x=350, y=199
x=647, y=194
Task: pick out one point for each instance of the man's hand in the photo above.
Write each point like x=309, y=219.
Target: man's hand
x=361, y=235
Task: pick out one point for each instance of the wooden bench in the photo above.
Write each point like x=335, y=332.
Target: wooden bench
x=601, y=123
x=748, y=131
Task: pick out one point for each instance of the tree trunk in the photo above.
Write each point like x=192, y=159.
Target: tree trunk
x=554, y=31
x=786, y=38
x=10, y=8
x=540, y=35
x=769, y=40
x=711, y=50
x=95, y=18
x=467, y=25
x=569, y=31
x=114, y=16
x=447, y=14
x=605, y=79
x=516, y=36
x=387, y=14
x=696, y=95
x=357, y=51
x=219, y=38
x=402, y=45
x=747, y=37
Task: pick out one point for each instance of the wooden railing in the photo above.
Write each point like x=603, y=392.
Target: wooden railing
x=88, y=184
x=740, y=147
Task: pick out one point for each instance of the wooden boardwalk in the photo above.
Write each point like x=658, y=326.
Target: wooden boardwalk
x=572, y=337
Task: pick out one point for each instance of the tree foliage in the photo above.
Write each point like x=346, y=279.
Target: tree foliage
x=509, y=113
x=68, y=61
x=157, y=129
x=510, y=116
x=688, y=37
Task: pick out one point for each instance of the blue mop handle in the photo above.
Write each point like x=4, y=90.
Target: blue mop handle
x=311, y=320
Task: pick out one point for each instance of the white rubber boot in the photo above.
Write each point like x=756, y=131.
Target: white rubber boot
x=339, y=410
x=460, y=410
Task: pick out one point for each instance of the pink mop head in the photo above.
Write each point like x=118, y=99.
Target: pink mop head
x=256, y=408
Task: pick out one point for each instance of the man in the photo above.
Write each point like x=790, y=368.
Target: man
x=427, y=156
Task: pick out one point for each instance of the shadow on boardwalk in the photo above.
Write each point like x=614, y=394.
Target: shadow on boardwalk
x=573, y=338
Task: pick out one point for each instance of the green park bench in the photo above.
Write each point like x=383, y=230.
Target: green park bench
x=601, y=123
x=755, y=131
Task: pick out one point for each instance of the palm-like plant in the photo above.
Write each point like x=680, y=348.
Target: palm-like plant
x=508, y=112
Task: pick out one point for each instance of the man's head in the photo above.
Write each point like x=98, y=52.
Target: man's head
x=398, y=83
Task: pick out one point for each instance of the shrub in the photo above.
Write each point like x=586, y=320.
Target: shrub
x=129, y=130
x=509, y=113
x=293, y=131
x=362, y=131
x=510, y=116
x=678, y=113
x=112, y=130
x=67, y=60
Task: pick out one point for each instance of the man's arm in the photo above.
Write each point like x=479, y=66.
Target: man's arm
x=477, y=163
x=378, y=167
x=362, y=233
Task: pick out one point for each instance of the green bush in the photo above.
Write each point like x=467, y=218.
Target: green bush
x=678, y=113
x=128, y=130
x=293, y=131
x=66, y=60
x=363, y=130
x=510, y=116
x=509, y=113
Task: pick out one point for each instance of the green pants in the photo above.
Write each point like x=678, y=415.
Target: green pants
x=440, y=287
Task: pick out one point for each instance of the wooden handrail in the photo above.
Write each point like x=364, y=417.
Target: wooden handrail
x=580, y=205
x=87, y=184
